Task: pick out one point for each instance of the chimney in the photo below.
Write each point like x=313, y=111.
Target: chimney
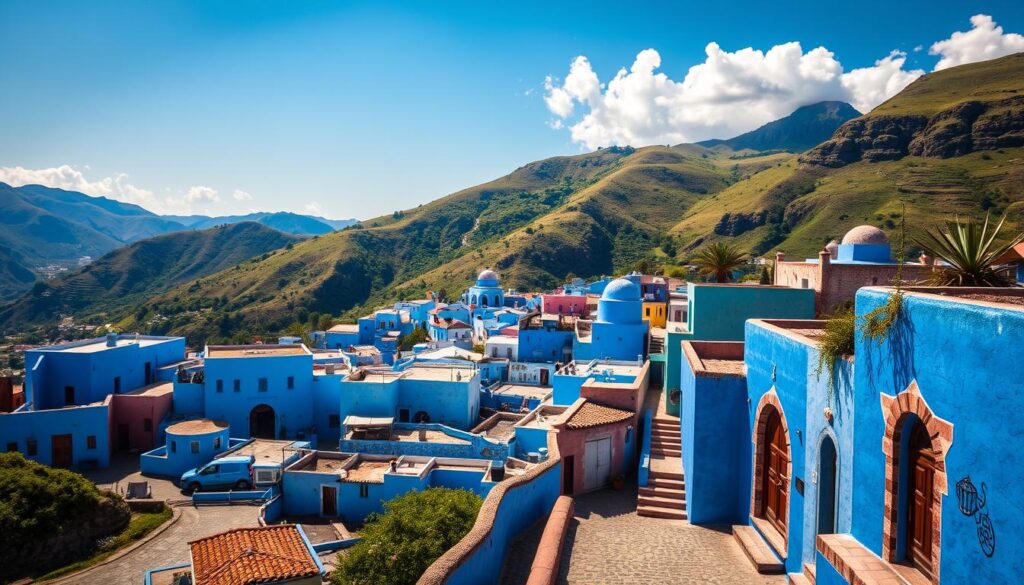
x=780, y=257
x=423, y=435
x=111, y=339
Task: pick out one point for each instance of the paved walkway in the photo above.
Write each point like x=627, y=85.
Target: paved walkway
x=608, y=543
x=170, y=547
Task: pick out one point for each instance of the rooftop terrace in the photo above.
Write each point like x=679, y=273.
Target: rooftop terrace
x=265, y=451
x=538, y=392
x=499, y=426
x=600, y=368
x=250, y=351
x=715, y=357
x=102, y=343
x=544, y=416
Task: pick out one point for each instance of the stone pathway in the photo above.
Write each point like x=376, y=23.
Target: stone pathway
x=170, y=547
x=608, y=543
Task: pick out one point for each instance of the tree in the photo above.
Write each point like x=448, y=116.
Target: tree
x=766, y=277
x=415, y=530
x=418, y=335
x=325, y=322
x=719, y=260
x=970, y=253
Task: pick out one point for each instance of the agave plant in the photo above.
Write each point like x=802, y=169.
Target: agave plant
x=970, y=253
x=719, y=260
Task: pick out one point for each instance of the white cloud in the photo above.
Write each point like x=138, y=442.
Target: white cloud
x=984, y=41
x=728, y=94
x=240, y=195
x=313, y=208
x=68, y=177
x=201, y=194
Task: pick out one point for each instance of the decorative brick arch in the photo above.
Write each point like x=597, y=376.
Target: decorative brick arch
x=769, y=400
x=896, y=410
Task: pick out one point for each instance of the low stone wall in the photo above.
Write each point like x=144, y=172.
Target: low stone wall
x=511, y=506
x=544, y=570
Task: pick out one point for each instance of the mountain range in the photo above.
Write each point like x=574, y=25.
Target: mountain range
x=807, y=127
x=951, y=142
x=40, y=226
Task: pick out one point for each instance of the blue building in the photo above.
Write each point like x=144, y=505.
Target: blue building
x=903, y=466
x=619, y=332
x=485, y=295
x=417, y=309
x=72, y=399
x=546, y=338
x=456, y=332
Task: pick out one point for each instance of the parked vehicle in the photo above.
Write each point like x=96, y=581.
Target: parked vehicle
x=226, y=472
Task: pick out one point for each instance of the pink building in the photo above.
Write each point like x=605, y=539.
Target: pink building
x=560, y=304
x=135, y=415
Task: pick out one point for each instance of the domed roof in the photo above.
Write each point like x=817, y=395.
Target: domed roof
x=865, y=234
x=487, y=277
x=833, y=248
x=621, y=289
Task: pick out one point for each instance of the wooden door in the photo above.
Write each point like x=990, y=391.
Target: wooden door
x=61, y=450
x=776, y=477
x=329, y=500
x=124, y=441
x=919, y=513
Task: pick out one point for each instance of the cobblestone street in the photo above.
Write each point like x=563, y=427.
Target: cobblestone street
x=609, y=544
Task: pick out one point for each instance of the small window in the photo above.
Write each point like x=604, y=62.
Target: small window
x=291, y=382
x=238, y=385
x=117, y=384
x=90, y=441
x=364, y=490
x=216, y=442
x=263, y=385
x=174, y=446
x=11, y=447
x=804, y=283
x=31, y=447
x=220, y=385
x=147, y=425
x=647, y=312
x=210, y=470
x=334, y=421
x=194, y=446
x=69, y=395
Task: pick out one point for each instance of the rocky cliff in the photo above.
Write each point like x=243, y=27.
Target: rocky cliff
x=955, y=131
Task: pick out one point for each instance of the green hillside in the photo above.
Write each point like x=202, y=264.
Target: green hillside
x=131, y=275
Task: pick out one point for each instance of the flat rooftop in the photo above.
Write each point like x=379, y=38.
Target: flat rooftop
x=95, y=345
x=715, y=357
x=432, y=436
x=1009, y=297
x=598, y=368
x=439, y=373
x=807, y=330
x=543, y=417
x=156, y=389
x=251, y=351
x=197, y=427
x=345, y=328
x=367, y=471
x=265, y=451
x=538, y=392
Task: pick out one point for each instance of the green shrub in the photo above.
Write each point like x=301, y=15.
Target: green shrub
x=37, y=502
x=415, y=530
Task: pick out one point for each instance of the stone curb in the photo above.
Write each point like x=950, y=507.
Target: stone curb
x=72, y=577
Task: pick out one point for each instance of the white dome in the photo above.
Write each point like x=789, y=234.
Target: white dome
x=865, y=234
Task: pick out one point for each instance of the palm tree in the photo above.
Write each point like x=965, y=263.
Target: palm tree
x=969, y=252
x=719, y=260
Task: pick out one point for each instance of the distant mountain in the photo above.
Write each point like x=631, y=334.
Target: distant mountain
x=134, y=273
x=15, y=274
x=292, y=223
x=804, y=129
x=47, y=225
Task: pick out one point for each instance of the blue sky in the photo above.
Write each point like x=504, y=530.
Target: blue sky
x=351, y=109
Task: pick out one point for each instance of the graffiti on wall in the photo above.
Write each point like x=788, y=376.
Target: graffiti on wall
x=972, y=504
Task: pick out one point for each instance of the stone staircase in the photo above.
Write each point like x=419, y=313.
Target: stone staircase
x=664, y=496
x=655, y=345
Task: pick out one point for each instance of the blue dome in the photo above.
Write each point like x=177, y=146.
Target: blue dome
x=487, y=278
x=621, y=289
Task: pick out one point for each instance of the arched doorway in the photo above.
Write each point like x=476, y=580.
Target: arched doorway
x=261, y=422
x=917, y=530
x=775, y=471
x=828, y=475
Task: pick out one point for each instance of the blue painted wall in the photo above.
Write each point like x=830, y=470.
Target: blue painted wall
x=81, y=422
x=958, y=353
x=521, y=507
x=543, y=345
x=176, y=456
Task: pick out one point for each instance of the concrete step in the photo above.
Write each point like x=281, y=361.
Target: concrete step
x=678, y=476
x=663, y=492
x=666, y=513
x=798, y=579
x=662, y=483
x=758, y=551
x=668, y=425
x=657, y=434
x=665, y=452
x=810, y=572
x=661, y=502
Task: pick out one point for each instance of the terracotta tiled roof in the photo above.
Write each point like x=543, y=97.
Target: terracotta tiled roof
x=591, y=414
x=247, y=556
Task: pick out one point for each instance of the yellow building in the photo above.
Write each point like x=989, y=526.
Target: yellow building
x=654, y=312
